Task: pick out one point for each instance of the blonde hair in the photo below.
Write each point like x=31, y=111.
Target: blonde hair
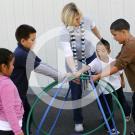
x=68, y=13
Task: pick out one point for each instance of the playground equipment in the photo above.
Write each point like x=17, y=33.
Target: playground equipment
x=108, y=87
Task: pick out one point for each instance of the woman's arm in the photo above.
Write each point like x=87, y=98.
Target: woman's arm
x=82, y=70
x=94, y=67
x=71, y=63
x=96, y=33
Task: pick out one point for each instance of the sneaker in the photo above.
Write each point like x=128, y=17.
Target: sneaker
x=132, y=133
x=113, y=132
x=79, y=128
x=128, y=118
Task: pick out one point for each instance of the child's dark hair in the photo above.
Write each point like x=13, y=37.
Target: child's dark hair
x=106, y=44
x=23, y=32
x=6, y=56
x=120, y=24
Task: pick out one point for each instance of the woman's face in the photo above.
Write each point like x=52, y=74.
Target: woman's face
x=77, y=20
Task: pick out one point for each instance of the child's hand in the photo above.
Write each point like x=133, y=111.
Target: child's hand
x=123, y=84
x=63, y=76
x=21, y=133
x=95, y=77
x=122, y=80
x=68, y=75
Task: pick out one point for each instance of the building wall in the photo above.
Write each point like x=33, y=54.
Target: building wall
x=44, y=15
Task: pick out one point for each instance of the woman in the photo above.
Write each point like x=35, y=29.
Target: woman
x=78, y=48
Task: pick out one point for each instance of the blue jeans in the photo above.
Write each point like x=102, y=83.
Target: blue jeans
x=76, y=93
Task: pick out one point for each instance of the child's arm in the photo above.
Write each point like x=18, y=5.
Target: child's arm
x=42, y=68
x=47, y=70
x=8, y=100
x=108, y=71
x=122, y=80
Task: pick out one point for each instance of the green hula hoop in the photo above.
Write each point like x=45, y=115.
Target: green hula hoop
x=50, y=86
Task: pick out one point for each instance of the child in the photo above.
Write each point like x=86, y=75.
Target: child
x=120, y=30
x=11, y=108
x=115, y=80
x=25, y=62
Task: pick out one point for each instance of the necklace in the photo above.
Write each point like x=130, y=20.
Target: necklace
x=73, y=43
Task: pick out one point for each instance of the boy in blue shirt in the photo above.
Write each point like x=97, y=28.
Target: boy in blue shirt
x=25, y=62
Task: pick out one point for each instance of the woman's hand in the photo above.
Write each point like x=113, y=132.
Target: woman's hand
x=104, y=41
x=76, y=74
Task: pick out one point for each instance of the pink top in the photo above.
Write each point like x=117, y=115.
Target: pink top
x=11, y=109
